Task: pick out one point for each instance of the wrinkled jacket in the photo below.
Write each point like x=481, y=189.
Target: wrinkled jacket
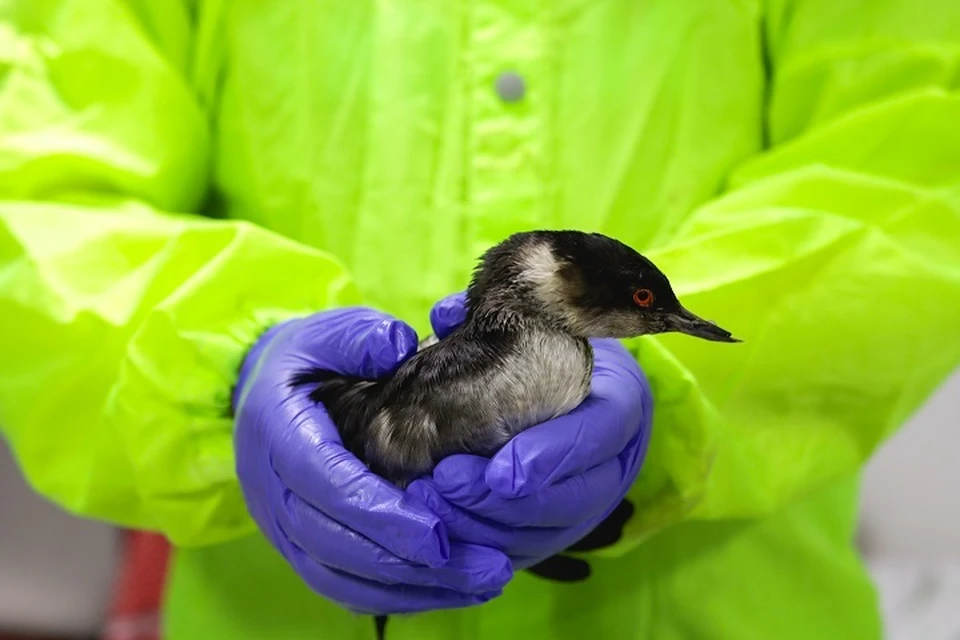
x=175, y=176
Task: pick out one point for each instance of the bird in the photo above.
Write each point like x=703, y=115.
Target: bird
x=522, y=355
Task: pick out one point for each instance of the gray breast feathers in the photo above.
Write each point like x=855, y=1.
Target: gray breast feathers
x=549, y=377
x=545, y=377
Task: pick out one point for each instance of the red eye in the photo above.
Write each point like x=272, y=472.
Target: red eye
x=643, y=297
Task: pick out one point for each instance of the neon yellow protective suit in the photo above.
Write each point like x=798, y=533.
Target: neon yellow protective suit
x=176, y=175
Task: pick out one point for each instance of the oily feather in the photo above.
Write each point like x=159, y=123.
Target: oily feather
x=466, y=394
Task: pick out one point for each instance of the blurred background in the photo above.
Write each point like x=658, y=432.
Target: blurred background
x=58, y=574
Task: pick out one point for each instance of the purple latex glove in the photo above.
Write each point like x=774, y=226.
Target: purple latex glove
x=351, y=536
x=553, y=484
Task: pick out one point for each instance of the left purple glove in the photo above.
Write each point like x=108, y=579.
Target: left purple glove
x=353, y=537
x=558, y=486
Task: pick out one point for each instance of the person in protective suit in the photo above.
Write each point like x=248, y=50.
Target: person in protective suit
x=196, y=193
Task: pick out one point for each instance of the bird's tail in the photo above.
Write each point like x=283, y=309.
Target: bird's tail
x=380, y=626
x=350, y=401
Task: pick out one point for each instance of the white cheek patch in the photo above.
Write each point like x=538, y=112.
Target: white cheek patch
x=540, y=268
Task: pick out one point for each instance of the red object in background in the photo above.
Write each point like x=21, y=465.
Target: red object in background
x=137, y=600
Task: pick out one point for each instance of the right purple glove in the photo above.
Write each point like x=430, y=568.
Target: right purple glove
x=351, y=536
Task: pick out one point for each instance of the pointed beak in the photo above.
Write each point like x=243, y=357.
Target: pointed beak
x=693, y=325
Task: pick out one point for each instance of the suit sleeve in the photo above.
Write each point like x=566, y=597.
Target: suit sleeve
x=124, y=316
x=835, y=255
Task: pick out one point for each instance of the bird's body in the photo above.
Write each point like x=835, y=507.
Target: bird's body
x=469, y=393
x=520, y=357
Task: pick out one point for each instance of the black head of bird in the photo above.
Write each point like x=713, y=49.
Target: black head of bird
x=586, y=284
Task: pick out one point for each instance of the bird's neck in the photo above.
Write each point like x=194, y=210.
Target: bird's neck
x=496, y=314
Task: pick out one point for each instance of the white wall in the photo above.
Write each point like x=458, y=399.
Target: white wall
x=911, y=500
x=55, y=570
x=911, y=523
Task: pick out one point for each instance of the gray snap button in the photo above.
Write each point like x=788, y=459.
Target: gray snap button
x=510, y=86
